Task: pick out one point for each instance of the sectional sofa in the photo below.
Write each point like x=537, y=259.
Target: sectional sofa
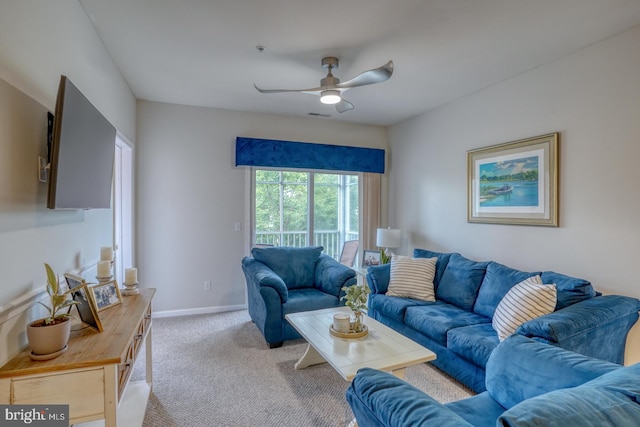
x=529, y=384
x=458, y=325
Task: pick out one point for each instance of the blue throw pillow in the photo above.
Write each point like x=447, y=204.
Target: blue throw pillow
x=498, y=280
x=570, y=289
x=460, y=281
x=295, y=266
x=441, y=264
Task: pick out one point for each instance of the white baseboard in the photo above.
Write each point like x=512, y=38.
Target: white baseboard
x=203, y=310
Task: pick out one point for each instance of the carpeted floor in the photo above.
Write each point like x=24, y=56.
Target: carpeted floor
x=216, y=370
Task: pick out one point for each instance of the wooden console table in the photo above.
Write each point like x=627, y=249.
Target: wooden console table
x=92, y=377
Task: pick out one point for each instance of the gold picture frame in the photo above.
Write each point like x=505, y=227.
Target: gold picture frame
x=514, y=183
x=106, y=294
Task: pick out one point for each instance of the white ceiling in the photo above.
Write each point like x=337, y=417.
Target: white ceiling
x=203, y=52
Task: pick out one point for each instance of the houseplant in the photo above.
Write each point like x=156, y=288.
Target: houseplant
x=49, y=336
x=355, y=298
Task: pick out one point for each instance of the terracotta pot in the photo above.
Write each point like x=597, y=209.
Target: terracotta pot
x=48, y=339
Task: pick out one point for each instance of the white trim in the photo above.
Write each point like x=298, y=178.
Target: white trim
x=21, y=304
x=194, y=311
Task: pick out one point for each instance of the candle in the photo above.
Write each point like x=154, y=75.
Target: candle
x=106, y=253
x=131, y=276
x=104, y=268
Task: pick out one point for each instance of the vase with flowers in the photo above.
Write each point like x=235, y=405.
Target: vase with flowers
x=355, y=297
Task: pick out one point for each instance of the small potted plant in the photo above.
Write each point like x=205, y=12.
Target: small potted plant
x=49, y=336
x=356, y=299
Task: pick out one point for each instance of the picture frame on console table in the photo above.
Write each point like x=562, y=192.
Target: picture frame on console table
x=87, y=307
x=106, y=294
x=514, y=183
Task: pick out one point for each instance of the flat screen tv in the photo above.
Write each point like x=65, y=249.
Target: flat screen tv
x=81, y=153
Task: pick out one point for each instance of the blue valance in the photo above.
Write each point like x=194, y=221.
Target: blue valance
x=303, y=155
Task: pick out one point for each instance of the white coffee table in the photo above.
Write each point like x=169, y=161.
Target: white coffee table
x=382, y=348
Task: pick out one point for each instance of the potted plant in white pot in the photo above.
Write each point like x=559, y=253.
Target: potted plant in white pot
x=356, y=299
x=48, y=337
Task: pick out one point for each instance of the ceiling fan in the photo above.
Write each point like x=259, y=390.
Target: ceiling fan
x=331, y=90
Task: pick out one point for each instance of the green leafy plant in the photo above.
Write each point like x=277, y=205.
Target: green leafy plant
x=356, y=297
x=57, y=300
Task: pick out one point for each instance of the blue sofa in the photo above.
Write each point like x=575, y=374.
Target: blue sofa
x=529, y=384
x=458, y=325
x=283, y=280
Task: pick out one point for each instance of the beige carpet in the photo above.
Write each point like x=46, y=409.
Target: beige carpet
x=216, y=370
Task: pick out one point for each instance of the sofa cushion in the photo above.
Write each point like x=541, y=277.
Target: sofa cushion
x=473, y=343
x=460, y=281
x=527, y=300
x=570, y=289
x=296, y=266
x=435, y=320
x=497, y=282
x=412, y=278
x=514, y=371
x=580, y=407
x=441, y=264
x=308, y=299
x=393, y=307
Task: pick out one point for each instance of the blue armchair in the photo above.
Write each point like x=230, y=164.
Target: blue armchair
x=283, y=280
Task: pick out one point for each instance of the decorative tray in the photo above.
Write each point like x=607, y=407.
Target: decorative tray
x=335, y=333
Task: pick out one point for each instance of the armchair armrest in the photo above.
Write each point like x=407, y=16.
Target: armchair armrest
x=378, y=278
x=596, y=327
x=258, y=274
x=331, y=276
x=381, y=399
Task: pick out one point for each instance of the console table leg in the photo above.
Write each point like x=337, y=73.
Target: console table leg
x=310, y=357
x=110, y=395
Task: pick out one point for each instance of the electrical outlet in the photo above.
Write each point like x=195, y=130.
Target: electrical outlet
x=207, y=285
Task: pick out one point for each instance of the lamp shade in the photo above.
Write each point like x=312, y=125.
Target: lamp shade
x=388, y=238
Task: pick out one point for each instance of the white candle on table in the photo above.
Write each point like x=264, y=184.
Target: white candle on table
x=131, y=276
x=104, y=268
x=106, y=253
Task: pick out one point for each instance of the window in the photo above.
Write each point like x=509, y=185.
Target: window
x=298, y=208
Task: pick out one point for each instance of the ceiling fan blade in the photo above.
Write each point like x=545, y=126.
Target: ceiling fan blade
x=311, y=91
x=377, y=75
x=343, y=106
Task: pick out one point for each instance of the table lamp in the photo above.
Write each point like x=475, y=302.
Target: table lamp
x=388, y=238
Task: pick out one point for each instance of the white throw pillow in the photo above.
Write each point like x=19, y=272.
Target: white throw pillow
x=525, y=301
x=412, y=277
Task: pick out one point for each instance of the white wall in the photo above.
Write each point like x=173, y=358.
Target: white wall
x=39, y=40
x=190, y=195
x=593, y=99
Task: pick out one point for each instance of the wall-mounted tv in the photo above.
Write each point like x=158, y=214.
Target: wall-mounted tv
x=81, y=153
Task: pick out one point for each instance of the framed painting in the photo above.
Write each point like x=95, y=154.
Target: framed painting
x=370, y=258
x=106, y=294
x=514, y=183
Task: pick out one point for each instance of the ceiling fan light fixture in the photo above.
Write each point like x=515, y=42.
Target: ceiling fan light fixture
x=330, y=97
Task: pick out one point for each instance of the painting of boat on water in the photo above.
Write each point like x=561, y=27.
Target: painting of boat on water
x=509, y=183
x=515, y=182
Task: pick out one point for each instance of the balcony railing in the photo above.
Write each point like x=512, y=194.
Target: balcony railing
x=330, y=240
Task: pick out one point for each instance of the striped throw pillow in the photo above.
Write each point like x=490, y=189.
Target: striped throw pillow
x=525, y=301
x=412, y=277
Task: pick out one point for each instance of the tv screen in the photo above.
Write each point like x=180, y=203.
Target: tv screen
x=82, y=152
